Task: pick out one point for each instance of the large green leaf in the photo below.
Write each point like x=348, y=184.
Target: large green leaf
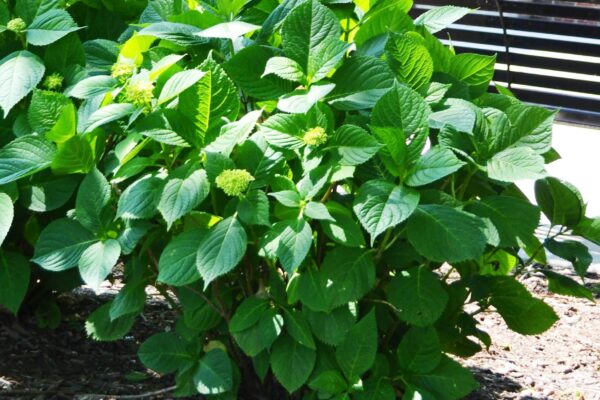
x=291, y=362
x=221, y=249
x=522, y=312
x=560, y=201
x=516, y=163
x=99, y=326
x=298, y=328
x=20, y=72
x=343, y=229
x=449, y=381
x=76, y=155
x=214, y=374
x=45, y=110
x=442, y=233
x=97, y=262
x=14, y=279
x=354, y=144
x=437, y=163
x=178, y=83
x=25, y=156
x=141, y=198
x=474, y=70
x=409, y=60
x=261, y=335
x=384, y=17
x=418, y=295
x=301, y=100
x=7, y=215
x=311, y=36
x=92, y=198
x=514, y=219
x=419, y=350
x=381, y=205
x=185, y=189
x=177, y=263
x=561, y=284
x=289, y=241
x=356, y=353
x=164, y=353
x=574, y=251
x=92, y=86
x=248, y=313
x=331, y=328
x=106, y=114
x=531, y=127
x=61, y=245
x=234, y=133
x=50, y=27
x=440, y=18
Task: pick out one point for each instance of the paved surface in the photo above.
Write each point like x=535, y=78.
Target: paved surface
x=579, y=147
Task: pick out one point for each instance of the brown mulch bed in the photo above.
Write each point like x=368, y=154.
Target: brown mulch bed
x=43, y=364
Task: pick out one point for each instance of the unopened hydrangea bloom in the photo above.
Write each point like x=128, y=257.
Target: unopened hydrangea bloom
x=53, y=81
x=140, y=93
x=234, y=182
x=16, y=25
x=315, y=136
x=122, y=70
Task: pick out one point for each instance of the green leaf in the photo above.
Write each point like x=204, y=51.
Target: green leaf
x=403, y=108
x=141, y=198
x=291, y=362
x=522, y=312
x=343, y=229
x=45, y=109
x=514, y=219
x=575, y=252
x=440, y=18
x=214, y=374
x=106, y=114
x=164, y=353
x=418, y=295
x=92, y=198
x=560, y=201
x=409, y=60
x=76, y=155
x=331, y=328
x=317, y=53
x=420, y=350
x=449, y=381
x=356, y=353
x=589, y=228
x=260, y=336
x=130, y=300
x=253, y=208
x=100, y=327
x=14, y=279
x=92, y=86
x=246, y=68
x=221, y=249
x=178, y=83
x=177, y=263
x=132, y=233
x=247, y=314
x=315, y=210
x=7, y=215
x=384, y=17
x=516, y=163
x=66, y=125
x=234, y=133
x=442, y=234
x=474, y=70
x=20, y=72
x=380, y=205
x=531, y=126
x=288, y=198
x=185, y=189
x=289, y=241
x=61, y=245
x=329, y=382
x=229, y=30
x=97, y=262
x=354, y=145
x=50, y=27
x=297, y=326
x=377, y=389
x=360, y=82
x=285, y=130
x=561, y=284
x=302, y=100
x=25, y=156
x=437, y=163
x=285, y=68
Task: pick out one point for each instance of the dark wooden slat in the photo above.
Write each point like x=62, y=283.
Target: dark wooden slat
x=558, y=101
x=550, y=82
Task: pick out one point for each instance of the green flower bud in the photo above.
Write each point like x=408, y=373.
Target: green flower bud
x=140, y=93
x=315, y=136
x=234, y=182
x=16, y=25
x=122, y=70
x=53, y=81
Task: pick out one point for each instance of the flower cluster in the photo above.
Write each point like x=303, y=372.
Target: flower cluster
x=122, y=70
x=53, y=81
x=315, y=136
x=16, y=25
x=234, y=182
x=140, y=93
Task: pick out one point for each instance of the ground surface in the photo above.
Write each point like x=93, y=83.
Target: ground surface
x=562, y=364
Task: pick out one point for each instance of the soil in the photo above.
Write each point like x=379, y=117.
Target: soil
x=43, y=364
